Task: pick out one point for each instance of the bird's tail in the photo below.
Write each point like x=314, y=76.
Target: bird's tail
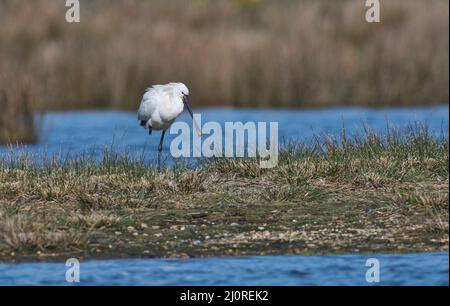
x=145, y=126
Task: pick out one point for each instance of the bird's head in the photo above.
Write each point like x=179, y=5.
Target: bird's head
x=182, y=91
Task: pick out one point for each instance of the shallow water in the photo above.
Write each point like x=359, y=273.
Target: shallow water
x=89, y=131
x=404, y=269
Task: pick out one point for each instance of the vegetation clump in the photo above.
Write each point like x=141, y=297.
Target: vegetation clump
x=18, y=103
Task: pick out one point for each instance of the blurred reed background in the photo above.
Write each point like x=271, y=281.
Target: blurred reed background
x=246, y=53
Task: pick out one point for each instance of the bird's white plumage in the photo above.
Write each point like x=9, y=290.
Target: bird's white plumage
x=161, y=105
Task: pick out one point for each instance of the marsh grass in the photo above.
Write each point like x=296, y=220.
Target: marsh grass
x=19, y=100
x=375, y=193
x=233, y=53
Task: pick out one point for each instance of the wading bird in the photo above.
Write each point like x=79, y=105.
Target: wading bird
x=160, y=107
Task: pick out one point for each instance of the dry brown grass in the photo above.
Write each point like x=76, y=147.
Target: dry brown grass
x=240, y=53
x=18, y=103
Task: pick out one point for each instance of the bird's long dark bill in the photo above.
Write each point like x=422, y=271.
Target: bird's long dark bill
x=186, y=102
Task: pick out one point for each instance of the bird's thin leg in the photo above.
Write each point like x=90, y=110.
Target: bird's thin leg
x=160, y=148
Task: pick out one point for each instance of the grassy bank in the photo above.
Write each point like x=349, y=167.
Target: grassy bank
x=237, y=53
x=374, y=194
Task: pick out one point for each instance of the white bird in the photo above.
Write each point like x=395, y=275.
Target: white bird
x=161, y=106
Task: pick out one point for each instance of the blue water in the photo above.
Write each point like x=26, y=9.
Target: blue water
x=89, y=131
x=407, y=269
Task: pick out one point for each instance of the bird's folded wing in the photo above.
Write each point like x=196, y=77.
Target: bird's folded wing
x=148, y=105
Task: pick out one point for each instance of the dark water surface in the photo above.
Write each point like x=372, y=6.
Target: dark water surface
x=405, y=269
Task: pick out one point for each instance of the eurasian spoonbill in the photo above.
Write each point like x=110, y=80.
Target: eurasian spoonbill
x=161, y=106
